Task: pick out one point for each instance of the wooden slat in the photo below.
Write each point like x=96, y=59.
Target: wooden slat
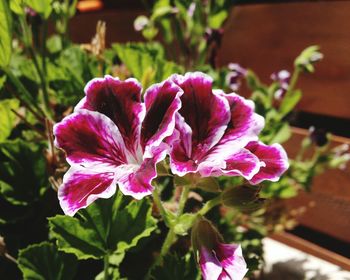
x=267, y=38
x=312, y=249
x=119, y=24
x=330, y=195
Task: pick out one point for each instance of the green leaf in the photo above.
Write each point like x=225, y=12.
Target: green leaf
x=103, y=227
x=282, y=134
x=54, y=44
x=23, y=175
x=2, y=81
x=77, y=237
x=16, y=6
x=43, y=262
x=146, y=61
x=43, y=7
x=5, y=34
x=175, y=267
x=217, y=20
x=289, y=102
x=7, y=117
x=184, y=223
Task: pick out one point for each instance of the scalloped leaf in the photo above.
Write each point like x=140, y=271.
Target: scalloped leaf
x=104, y=226
x=44, y=262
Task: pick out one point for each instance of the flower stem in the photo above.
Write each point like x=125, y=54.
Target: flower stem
x=162, y=211
x=10, y=258
x=169, y=240
x=183, y=199
x=28, y=97
x=209, y=205
x=294, y=80
x=106, y=267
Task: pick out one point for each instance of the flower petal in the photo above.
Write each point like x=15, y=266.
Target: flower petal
x=274, y=159
x=121, y=102
x=210, y=266
x=206, y=112
x=89, y=139
x=136, y=180
x=162, y=102
x=242, y=163
x=244, y=125
x=180, y=154
x=232, y=261
x=82, y=186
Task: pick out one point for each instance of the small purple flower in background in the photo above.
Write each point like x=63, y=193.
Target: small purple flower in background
x=191, y=9
x=235, y=76
x=218, y=134
x=282, y=78
x=217, y=260
x=115, y=138
x=30, y=12
x=318, y=136
x=213, y=36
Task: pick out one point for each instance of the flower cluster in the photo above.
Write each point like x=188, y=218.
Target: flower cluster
x=116, y=137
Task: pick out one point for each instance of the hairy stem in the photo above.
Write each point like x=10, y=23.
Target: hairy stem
x=159, y=204
x=169, y=240
x=183, y=199
x=209, y=205
x=106, y=267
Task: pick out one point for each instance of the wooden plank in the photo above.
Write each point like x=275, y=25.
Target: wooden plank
x=312, y=249
x=267, y=38
x=119, y=24
x=330, y=195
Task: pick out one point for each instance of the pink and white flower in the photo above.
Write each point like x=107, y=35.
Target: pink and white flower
x=114, y=138
x=223, y=262
x=217, y=134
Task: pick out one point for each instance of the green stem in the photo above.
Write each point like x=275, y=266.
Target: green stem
x=183, y=199
x=293, y=80
x=159, y=204
x=209, y=205
x=106, y=267
x=42, y=82
x=169, y=240
x=23, y=90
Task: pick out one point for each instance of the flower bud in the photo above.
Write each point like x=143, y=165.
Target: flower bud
x=307, y=58
x=246, y=198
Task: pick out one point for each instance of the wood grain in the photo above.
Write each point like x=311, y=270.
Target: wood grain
x=267, y=38
x=330, y=196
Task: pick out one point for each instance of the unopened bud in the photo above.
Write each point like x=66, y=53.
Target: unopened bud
x=246, y=198
x=204, y=234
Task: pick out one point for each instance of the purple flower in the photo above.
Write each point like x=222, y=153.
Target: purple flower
x=217, y=261
x=318, y=136
x=273, y=161
x=216, y=132
x=282, y=78
x=223, y=262
x=115, y=138
x=234, y=77
x=191, y=9
x=213, y=35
